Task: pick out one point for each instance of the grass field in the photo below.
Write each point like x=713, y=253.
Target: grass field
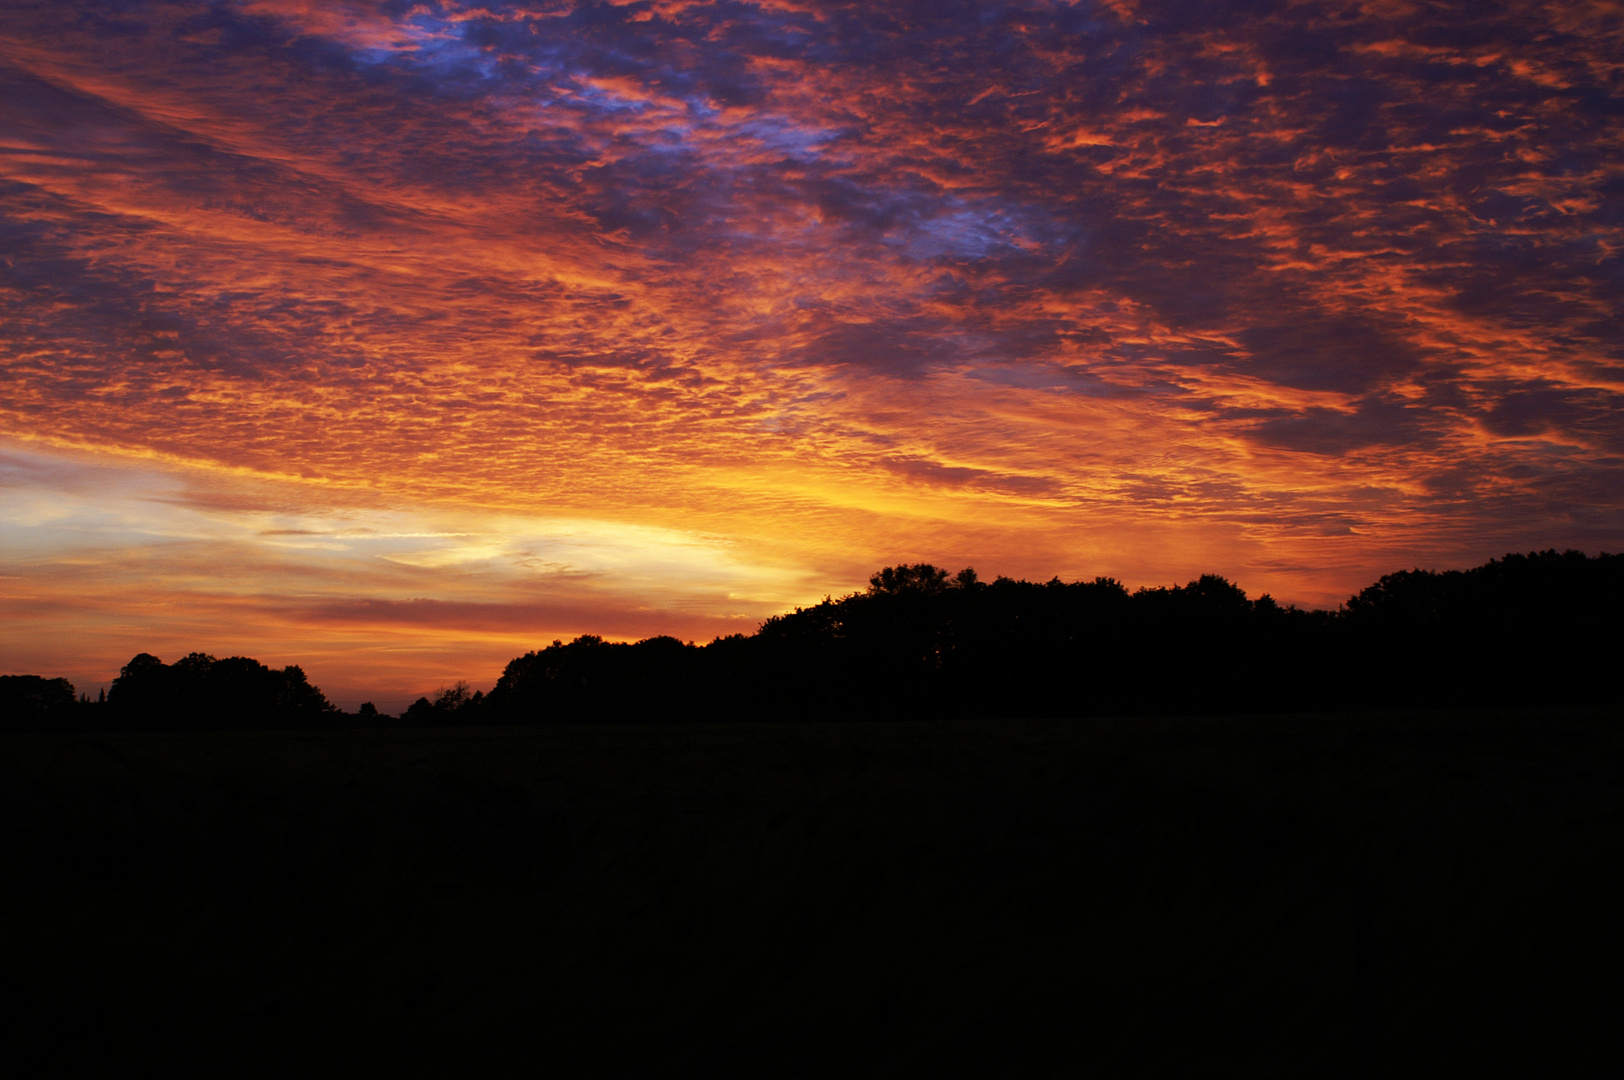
x=1255, y=896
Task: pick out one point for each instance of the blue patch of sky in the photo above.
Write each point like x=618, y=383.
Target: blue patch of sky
x=976, y=230
x=461, y=56
x=554, y=68
x=781, y=134
x=442, y=48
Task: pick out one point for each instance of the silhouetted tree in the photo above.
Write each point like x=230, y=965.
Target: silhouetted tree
x=1524, y=629
x=199, y=691
x=591, y=680
x=29, y=702
x=921, y=578
x=453, y=706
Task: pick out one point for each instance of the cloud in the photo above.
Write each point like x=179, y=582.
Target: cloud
x=1258, y=282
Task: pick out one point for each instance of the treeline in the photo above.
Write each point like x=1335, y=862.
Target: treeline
x=1542, y=628
x=194, y=693
x=1537, y=629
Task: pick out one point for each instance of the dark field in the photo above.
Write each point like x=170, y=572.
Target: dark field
x=1282, y=895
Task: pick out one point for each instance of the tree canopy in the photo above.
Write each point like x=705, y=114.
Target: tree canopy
x=199, y=691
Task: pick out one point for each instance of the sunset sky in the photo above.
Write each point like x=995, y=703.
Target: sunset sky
x=397, y=339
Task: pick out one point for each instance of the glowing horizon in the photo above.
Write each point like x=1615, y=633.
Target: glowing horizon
x=395, y=339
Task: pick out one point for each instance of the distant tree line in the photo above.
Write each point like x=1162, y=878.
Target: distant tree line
x=1537, y=629
x=1542, y=628
x=194, y=693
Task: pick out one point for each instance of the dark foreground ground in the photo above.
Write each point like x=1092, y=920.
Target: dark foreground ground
x=1256, y=896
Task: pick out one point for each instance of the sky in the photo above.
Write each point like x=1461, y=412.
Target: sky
x=397, y=339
